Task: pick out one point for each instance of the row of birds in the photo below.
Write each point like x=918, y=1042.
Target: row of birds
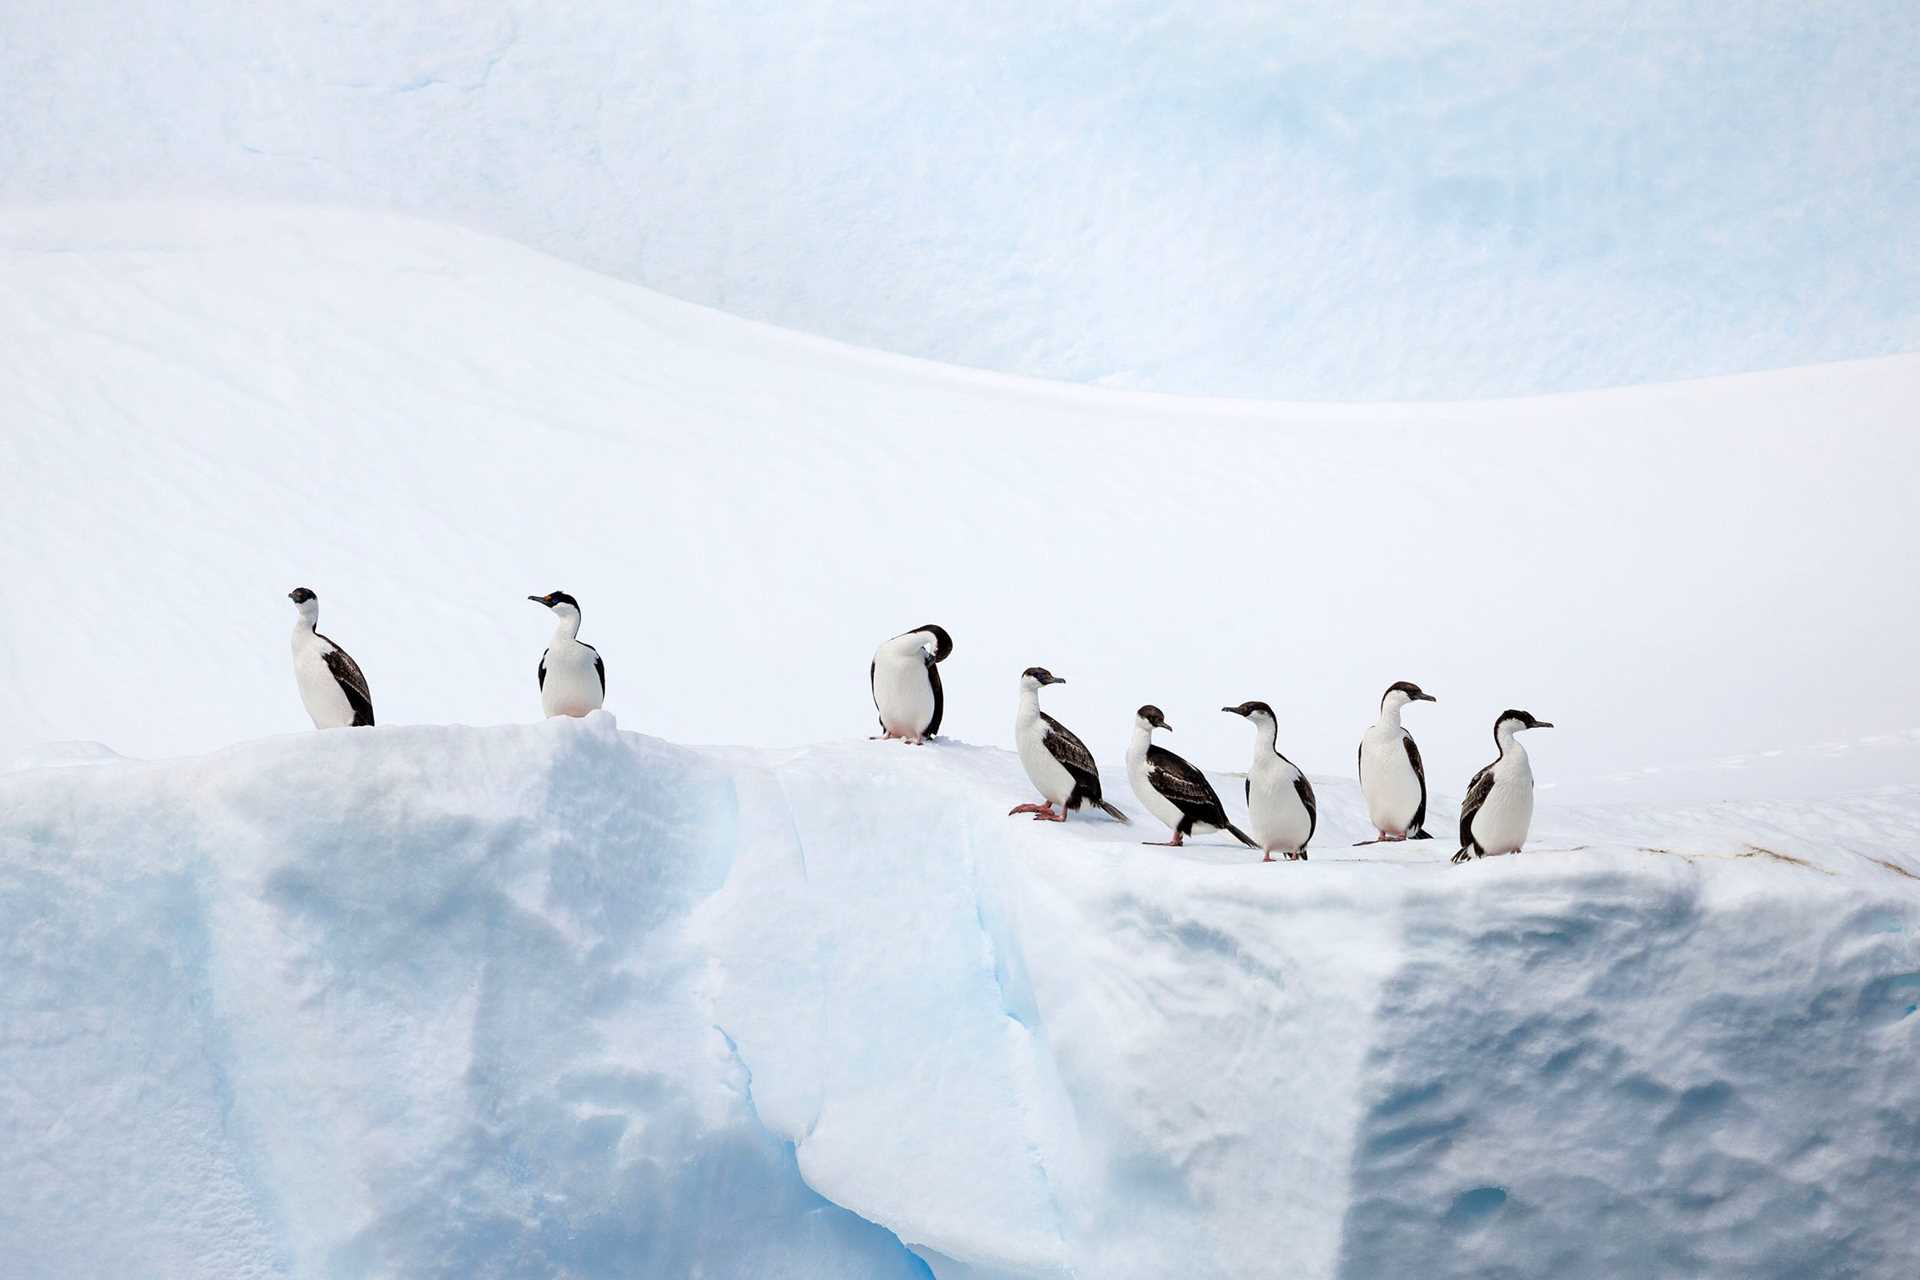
x=905, y=678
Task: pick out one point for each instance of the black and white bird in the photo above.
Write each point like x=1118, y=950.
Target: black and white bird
x=331, y=686
x=1499, y=805
x=1280, y=806
x=1393, y=781
x=573, y=679
x=1171, y=789
x=906, y=683
x=1061, y=767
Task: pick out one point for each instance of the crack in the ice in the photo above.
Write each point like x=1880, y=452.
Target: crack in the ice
x=1037, y=1041
x=793, y=1149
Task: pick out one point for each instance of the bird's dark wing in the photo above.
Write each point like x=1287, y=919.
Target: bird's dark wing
x=543, y=668
x=1360, y=762
x=599, y=667
x=346, y=673
x=1477, y=792
x=1420, y=772
x=1185, y=785
x=873, y=690
x=1063, y=745
x=1304, y=790
x=939, y=696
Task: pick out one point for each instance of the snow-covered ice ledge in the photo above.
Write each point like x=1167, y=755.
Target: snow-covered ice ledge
x=559, y=1000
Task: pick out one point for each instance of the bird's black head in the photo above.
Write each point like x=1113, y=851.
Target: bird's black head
x=942, y=642
x=1413, y=691
x=1152, y=715
x=300, y=595
x=1041, y=676
x=553, y=598
x=1250, y=710
x=1520, y=720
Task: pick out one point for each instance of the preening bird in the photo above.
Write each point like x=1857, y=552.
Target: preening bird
x=1280, y=806
x=1393, y=781
x=573, y=679
x=1061, y=767
x=906, y=683
x=1171, y=789
x=1499, y=805
x=331, y=686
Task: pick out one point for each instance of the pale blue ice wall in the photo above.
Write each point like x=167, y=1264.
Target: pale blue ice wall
x=1329, y=200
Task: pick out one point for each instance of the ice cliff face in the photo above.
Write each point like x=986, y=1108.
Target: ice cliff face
x=559, y=1000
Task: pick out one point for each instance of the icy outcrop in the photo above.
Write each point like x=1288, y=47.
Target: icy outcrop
x=413, y=1003
x=559, y=1000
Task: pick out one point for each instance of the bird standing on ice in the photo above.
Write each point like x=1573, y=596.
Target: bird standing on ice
x=1393, y=781
x=331, y=686
x=1499, y=804
x=906, y=683
x=573, y=680
x=1171, y=789
x=1280, y=806
x=1061, y=767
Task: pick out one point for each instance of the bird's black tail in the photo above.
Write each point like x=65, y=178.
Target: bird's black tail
x=1241, y=836
x=1114, y=813
x=1421, y=835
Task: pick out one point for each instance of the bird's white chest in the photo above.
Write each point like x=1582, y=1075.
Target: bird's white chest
x=572, y=686
x=1387, y=780
x=1138, y=774
x=1502, y=823
x=320, y=693
x=1050, y=778
x=1278, y=817
x=903, y=693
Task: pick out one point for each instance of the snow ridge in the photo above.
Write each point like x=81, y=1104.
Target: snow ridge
x=233, y=401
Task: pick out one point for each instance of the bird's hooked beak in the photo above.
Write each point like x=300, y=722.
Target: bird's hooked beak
x=292, y=594
x=1543, y=724
x=1054, y=680
x=1424, y=697
x=540, y=600
x=1234, y=711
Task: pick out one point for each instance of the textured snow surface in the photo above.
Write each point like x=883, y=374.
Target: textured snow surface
x=1315, y=200
x=206, y=408
x=561, y=1000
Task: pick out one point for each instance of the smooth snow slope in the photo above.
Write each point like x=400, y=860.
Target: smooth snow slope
x=1308, y=200
x=206, y=409
x=557, y=1000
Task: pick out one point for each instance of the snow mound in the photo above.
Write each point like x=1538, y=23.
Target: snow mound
x=557, y=999
x=1303, y=200
x=208, y=407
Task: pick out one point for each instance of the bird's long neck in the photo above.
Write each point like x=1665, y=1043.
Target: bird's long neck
x=566, y=627
x=1142, y=739
x=1509, y=739
x=306, y=622
x=1390, y=713
x=1029, y=707
x=1265, y=734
